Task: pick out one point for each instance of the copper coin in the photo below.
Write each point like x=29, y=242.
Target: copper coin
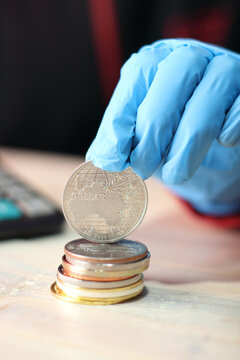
x=104, y=206
x=121, y=251
x=74, y=275
x=142, y=266
x=67, y=280
x=107, y=266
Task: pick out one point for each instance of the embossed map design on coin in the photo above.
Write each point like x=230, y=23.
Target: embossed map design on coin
x=104, y=206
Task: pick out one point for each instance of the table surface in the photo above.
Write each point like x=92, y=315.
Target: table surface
x=190, y=308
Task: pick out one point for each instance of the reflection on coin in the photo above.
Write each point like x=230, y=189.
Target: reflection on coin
x=121, y=251
x=67, y=280
x=141, y=265
x=104, y=206
x=90, y=301
x=72, y=274
x=75, y=292
x=108, y=266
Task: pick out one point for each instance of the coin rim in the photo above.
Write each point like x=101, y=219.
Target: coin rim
x=68, y=280
x=74, y=275
x=61, y=296
x=110, y=274
x=102, y=291
x=95, y=294
x=109, y=240
x=109, y=266
x=106, y=260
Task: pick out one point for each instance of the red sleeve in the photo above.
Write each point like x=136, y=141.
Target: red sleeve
x=229, y=221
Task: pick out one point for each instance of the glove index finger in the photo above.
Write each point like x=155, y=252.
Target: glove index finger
x=112, y=146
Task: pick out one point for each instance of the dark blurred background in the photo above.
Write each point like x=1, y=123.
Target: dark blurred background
x=60, y=60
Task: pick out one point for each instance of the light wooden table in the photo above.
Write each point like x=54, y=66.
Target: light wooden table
x=190, y=308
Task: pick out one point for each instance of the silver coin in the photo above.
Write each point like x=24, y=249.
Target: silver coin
x=68, y=280
x=76, y=271
x=121, y=251
x=104, y=206
x=76, y=292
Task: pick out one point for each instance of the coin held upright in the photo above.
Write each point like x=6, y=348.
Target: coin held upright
x=103, y=207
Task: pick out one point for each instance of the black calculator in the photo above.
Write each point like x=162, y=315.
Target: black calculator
x=24, y=212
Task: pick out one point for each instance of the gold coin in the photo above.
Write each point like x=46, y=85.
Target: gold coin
x=60, y=295
x=121, y=251
x=104, y=206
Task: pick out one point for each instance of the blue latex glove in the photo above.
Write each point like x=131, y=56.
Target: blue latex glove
x=175, y=113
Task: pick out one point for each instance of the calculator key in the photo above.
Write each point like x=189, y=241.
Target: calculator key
x=35, y=206
x=17, y=191
x=6, y=181
x=9, y=210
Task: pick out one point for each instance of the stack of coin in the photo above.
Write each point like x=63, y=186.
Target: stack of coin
x=101, y=273
x=103, y=207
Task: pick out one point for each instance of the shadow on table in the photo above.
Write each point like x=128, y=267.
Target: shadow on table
x=186, y=250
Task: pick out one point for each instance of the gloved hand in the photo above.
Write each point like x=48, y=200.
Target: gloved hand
x=175, y=113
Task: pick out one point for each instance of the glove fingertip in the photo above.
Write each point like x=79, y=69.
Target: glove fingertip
x=229, y=139
x=140, y=172
x=106, y=164
x=173, y=177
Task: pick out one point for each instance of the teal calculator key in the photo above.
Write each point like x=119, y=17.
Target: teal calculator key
x=8, y=210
